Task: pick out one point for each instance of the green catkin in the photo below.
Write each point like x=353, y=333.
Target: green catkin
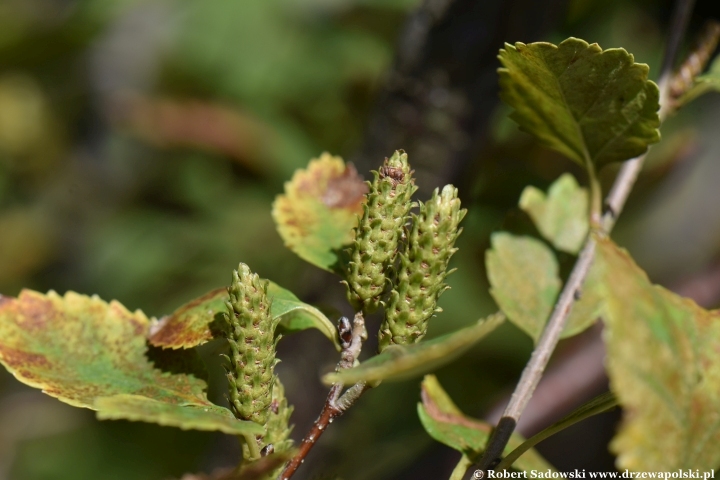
x=377, y=235
x=422, y=270
x=278, y=426
x=277, y=437
x=250, y=333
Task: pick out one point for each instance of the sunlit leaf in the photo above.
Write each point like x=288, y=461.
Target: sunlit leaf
x=80, y=349
x=595, y=106
x=192, y=324
x=523, y=274
x=525, y=283
x=664, y=368
x=561, y=216
x=446, y=423
x=318, y=211
x=399, y=362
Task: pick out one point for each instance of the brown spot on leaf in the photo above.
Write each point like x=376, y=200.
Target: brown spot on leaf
x=188, y=325
x=4, y=300
x=35, y=312
x=345, y=191
x=24, y=360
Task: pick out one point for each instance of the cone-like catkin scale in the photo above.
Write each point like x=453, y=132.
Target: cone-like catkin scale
x=376, y=237
x=278, y=426
x=278, y=429
x=422, y=271
x=252, y=347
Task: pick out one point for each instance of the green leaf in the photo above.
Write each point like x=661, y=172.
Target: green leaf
x=524, y=280
x=561, y=216
x=400, y=362
x=599, y=404
x=80, y=350
x=186, y=417
x=595, y=106
x=663, y=363
x=709, y=82
x=296, y=316
x=318, y=211
x=191, y=324
x=523, y=274
x=446, y=423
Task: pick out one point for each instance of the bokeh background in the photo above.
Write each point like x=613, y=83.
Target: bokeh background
x=142, y=143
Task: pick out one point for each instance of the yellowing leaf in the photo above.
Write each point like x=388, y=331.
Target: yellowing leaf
x=318, y=211
x=191, y=324
x=595, y=106
x=561, y=216
x=80, y=350
x=400, y=362
x=524, y=280
x=446, y=423
x=664, y=368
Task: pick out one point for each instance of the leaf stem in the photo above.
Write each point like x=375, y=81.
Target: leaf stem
x=595, y=196
x=458, y=472
x=336, y=403
x=614, y=202
x=595, y=406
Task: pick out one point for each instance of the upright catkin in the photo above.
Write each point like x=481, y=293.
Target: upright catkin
x=250, y=333
x=422, y=270
x=385, y=213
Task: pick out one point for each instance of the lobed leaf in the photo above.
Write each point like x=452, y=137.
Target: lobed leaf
x=664, y=369
x=524, y=282
x=82, y=350
x=318, y=211
x=191, y=324
x=561, y=216
x=594, y=106
x=448, y=425
x=400, y=362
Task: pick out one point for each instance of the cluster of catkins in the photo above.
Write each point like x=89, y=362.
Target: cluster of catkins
x=399, y=259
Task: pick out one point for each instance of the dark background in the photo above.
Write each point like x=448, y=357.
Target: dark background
x=142, y=143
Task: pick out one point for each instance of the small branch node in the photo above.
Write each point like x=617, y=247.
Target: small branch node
x=336, y=403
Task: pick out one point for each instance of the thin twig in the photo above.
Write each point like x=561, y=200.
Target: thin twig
x=614, y=202
x=335, y=404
